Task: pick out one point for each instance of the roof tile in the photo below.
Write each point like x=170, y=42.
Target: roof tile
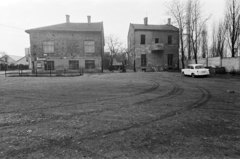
x=70, y=27
x=154, y=27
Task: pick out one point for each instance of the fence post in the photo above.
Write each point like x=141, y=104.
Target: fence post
x=50, y=72
x=19, y=70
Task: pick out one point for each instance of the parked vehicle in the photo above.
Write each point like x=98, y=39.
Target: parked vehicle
x=195, y=70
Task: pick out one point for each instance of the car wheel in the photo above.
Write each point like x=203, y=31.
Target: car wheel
x=183, y=73
x=193, y=75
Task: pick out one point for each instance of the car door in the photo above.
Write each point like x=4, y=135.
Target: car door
x=188, y=70
x=191, y=70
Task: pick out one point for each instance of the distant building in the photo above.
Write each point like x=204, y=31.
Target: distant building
x=153, y=45
x=10, y=59
x=67, y=46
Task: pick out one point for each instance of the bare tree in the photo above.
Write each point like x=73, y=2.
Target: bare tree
x=195, y=25
x=213, y=39
x=176, y=9
x=233, y=24
x=221, y=38
x=204, y=43
x=188, y=24
x=114, y=45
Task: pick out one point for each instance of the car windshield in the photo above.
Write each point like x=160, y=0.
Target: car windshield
x=199, y=67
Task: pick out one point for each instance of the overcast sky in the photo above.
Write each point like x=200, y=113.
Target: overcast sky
x=18, y=15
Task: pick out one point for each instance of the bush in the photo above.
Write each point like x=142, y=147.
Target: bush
x=234, y=72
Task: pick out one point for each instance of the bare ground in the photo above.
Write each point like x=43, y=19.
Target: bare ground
x=120, y=115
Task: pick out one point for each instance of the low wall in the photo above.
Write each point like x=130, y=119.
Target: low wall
x=229, y=63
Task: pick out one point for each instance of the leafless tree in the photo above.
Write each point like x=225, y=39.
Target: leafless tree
x=214, y=41
x=233, y=24
x=195, y=25
x=221, y=38
x=188, y=26
x=204, y=42
x=114, y=45
x=176, y=9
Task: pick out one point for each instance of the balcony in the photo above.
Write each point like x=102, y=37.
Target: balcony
x=157, y=47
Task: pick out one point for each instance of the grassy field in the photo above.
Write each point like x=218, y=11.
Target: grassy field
x=120, y=115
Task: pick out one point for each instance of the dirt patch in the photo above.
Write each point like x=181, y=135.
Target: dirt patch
x=130, y=115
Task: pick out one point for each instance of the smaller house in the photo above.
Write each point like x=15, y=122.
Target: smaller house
x=116, y=65
x=10, y=59
x=24, y=62
x=153, y=45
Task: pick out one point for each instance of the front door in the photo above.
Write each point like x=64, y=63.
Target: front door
x=170, y=60
x=143, y=60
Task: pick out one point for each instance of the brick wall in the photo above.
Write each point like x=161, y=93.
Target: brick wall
x=67, y=45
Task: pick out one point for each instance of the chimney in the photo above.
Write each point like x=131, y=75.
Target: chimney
x=89, y=19
x=67, y=19
x=145, y=21
x=169, y=21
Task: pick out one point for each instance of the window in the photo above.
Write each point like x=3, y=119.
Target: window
x=48, y=47
x=89, y=64
x=143, y=60
x=49, y=65
x=170, y=39
x=89, y=48
x=156, y=40
x=199, y=67
x=73, y=65
x=142, y=39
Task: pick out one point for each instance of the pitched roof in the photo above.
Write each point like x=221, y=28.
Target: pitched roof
x=154, y=27
x=13, y=57
x=71, y=27
x=21, y=58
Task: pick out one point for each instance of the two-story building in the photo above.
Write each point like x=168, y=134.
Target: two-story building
x=67, y=46
x=153, y=45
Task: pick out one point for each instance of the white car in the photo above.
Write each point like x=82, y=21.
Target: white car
x=195, y=70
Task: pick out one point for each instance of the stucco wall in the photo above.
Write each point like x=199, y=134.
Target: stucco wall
x=229, y=63
x=157, y=57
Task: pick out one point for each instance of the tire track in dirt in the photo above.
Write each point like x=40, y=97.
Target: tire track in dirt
x=176, y=90
x=56, y=117
x=204, y=98
x=65, y=143
x=155, y=86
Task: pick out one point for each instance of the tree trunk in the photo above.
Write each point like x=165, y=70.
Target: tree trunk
x=182, y=51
